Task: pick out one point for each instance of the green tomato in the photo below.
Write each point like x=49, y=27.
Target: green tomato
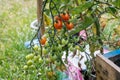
x=66, y=42
x=47, y=61
x=77, y=47
x=57, y=63
x=59, y=47
x=25, y=67
x=63, y=41
x=76, y=39
x=32, y=67
x=29, y=62
x=47, y=69
x=40, y=60
x=46, y=44
x=71, y=48
x=36, y=58
x=70, y=45
x=66, y=34
x=29, y=56
x=52, y=33
x=54, y=57
x=36, y=47
x=53, y=48
x=39, y=49
x=89, y=67
x=45, y=51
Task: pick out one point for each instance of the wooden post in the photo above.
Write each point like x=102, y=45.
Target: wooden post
x=39, y=15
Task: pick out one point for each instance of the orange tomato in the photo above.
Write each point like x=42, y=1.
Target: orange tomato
x=57, y=18
x=69, y=26
x=43, y=40
x=65, y=16
x=58, y=24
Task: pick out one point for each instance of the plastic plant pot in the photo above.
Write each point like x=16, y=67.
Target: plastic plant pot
x=34, y=25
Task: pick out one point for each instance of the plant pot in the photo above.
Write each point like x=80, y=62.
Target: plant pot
x=34, y=25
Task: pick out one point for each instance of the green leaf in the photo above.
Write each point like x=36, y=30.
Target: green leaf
x=112, y=10
x=83, y=25
x=82, y=7
x=117, y=3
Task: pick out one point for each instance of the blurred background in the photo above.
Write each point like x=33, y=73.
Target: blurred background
x=15, y=19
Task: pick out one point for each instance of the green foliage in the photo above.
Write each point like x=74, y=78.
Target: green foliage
x=14, y=31
x=117, y=3
x=15, y=18
x=82, y=7
x=84, y=15
x=82, y=25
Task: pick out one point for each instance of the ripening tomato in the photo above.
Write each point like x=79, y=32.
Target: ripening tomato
x=43, y=40
x=65, y=16
x=57, y=18
x=69, y=26
x=58, y=24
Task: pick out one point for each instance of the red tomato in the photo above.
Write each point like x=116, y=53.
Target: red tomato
x=58, y=24
x=65, y=16
x=43, y=40
x=69, y=26
x=57, y=18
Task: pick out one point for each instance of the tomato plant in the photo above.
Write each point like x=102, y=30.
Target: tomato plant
x=69, y=18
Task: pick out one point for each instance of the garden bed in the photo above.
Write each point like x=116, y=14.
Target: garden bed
x=107, y=66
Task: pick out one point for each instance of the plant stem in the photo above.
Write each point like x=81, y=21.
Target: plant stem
x=98, y=30
x=97, y=25
x=77, y=3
